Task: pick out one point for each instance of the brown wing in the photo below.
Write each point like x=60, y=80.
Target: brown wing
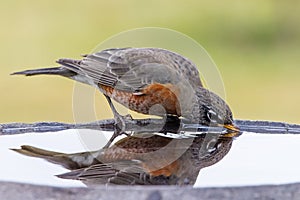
x=131, y=69
x=122, y=172
x=119, y=173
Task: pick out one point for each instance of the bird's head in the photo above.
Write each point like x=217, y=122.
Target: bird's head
x=211, y=110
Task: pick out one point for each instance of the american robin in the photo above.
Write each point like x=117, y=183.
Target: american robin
x=154, y=160
x=149, y=81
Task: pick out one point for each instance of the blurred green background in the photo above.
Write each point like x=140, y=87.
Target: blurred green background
x=255, y=44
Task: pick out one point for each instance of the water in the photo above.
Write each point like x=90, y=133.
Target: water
x=254, y=159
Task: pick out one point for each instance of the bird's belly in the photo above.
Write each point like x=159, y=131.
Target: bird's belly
x=158, y=102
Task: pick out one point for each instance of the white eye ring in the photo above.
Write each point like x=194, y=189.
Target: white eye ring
x=212, y=115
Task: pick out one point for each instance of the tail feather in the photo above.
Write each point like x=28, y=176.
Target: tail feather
x=68, y=161
x=36, y=152
x=49, y=71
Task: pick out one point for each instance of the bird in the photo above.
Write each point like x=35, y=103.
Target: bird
x=145, y=160
x=146, y=80
x=149, y=81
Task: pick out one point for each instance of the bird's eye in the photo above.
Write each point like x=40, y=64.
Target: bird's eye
x=212, y=116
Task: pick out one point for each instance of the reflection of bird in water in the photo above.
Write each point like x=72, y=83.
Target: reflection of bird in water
x=152, y=160
x=149, y=81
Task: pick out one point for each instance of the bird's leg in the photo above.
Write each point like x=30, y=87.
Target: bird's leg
x=119, y=122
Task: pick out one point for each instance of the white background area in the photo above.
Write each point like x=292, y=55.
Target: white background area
x=254, y=159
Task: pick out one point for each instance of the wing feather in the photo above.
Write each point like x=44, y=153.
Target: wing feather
x=132, y=69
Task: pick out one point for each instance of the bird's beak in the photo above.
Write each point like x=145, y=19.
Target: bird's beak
x=231, y=127
x=233, y=131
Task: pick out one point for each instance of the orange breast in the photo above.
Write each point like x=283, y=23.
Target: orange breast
x=166, y=171
x=164, y=95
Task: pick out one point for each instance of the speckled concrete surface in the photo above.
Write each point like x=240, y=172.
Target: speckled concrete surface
x=16, y=191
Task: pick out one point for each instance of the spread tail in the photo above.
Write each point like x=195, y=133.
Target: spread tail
x=68, y=161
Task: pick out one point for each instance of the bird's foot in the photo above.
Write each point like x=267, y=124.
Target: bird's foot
x=120, y=127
